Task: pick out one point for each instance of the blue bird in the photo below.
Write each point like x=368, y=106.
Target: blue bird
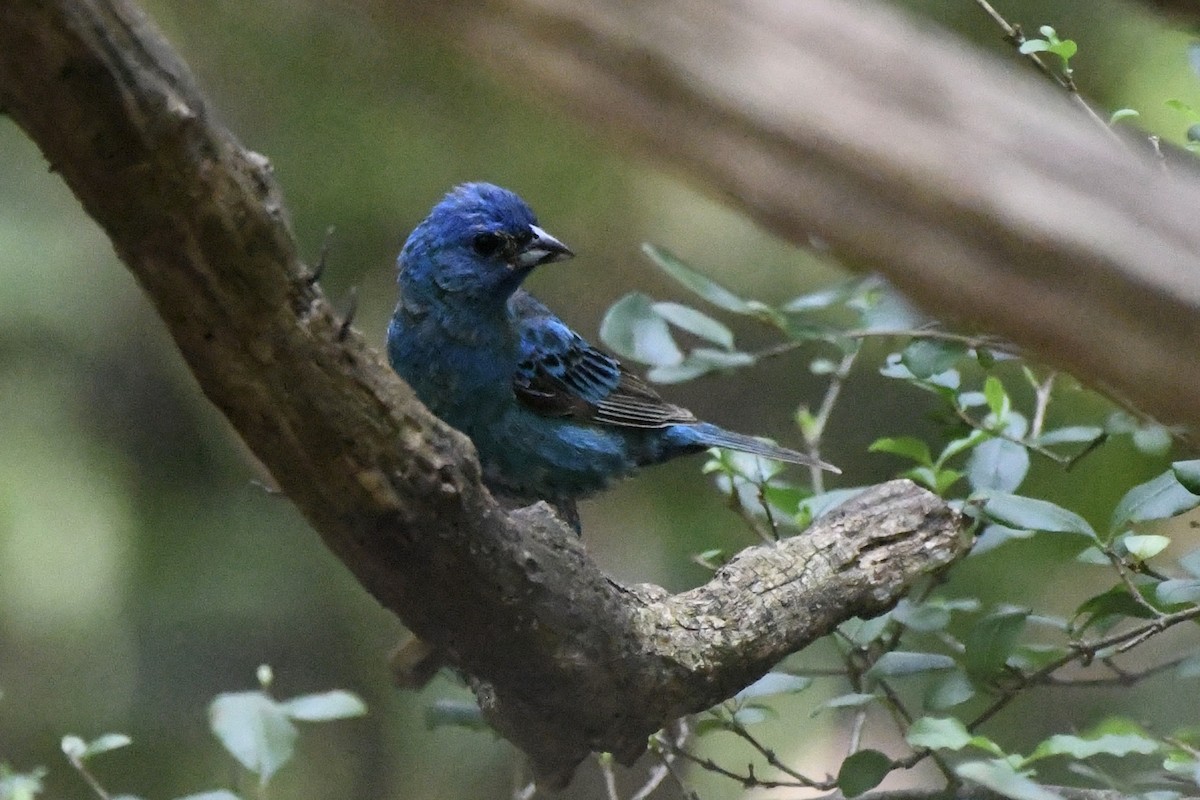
x=552, y=418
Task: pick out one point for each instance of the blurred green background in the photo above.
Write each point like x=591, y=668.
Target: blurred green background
x=143, y=569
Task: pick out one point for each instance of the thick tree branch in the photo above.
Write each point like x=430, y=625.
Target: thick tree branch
x=564, y=660
x=974, y=185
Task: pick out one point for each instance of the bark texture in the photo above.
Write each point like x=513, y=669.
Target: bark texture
x=564, y=660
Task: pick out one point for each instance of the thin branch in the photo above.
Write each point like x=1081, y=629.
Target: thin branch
x=604, y=761
x=748, y=779
x=1084, y=652
x=815, y=428
x=1042, y=391
x=734, y=726
x=1015, y=36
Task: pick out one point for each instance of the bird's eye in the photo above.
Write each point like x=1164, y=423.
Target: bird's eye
x=486, y=244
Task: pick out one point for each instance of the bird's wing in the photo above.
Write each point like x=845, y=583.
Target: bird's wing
x=559, y=374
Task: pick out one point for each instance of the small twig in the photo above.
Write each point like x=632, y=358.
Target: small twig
x=1064, y=461
x=1016, y=37
x=522, y=787
x=666, y=756
x=604, y=760
x=904, y=721
x=736, y=728
x=748, y=780
x=348, y=320
x=1084, y=651
x=1121, y=677
x=856, y=731
x=78, y=764
x=668, y=763
x=1134, y=593
x=738, y=507
x=1041, y=396
x=322, y=257
x=937, y=334
x=814, y=432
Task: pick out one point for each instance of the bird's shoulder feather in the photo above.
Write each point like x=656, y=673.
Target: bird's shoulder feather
x=560, y=375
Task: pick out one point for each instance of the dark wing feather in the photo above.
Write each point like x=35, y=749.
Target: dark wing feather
x=561, y=375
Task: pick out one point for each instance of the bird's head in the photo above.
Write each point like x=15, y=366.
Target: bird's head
x=479, y=242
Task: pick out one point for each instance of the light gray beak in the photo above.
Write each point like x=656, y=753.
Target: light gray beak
x=541, y=249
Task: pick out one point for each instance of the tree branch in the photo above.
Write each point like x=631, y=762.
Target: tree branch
x=971, y=184
x=564, y=660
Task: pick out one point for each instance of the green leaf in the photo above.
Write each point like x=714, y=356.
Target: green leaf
x=1122, y=114
x=1161, y=497
x=753, y=715
x=1001, y=777
x=962, y=444
x=1027, y=513
x=997, y=464
x=1034, y=46
x=336, y=704
x=862, y=772
x=938, y=734
x=864, y=631
x=1071, y=434
x=1188, y=474
x=701, y=284
x=953, y=689
x=1178, y=591
x=73, y=747
x=1143, y=547
x=1032, y=656
x=852, y=700
x=898, y=663
x=824, y=298
x=928, y=357
x=1065, y=49
x=448, y=713
x=713, y=558
x=102, y=744
x=1191, y=563
x=678, y=373
x=773, y=683
x=992, y=639
x=633, y=330
x=906, y=446
x=887, y=310
x=1152, y=439
x=20, y=785
x=696, y=323
x=819, y=505
x=925, y=617
x=995, y=535
x=255, y=731
x=997, y=398
x=1110, y=605
x=1189, y=667
x=720, y=359
x=1119, y=745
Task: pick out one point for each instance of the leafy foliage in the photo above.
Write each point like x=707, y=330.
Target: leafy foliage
x=942, y=664
x=253, y=727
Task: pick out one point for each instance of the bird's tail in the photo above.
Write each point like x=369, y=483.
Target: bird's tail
x=712, y=436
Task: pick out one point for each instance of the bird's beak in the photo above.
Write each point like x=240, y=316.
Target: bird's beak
x=541, y=249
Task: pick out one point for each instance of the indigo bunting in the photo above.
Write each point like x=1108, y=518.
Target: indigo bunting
x=552, y=418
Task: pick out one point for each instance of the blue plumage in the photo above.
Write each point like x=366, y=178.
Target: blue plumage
x=551, y=417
